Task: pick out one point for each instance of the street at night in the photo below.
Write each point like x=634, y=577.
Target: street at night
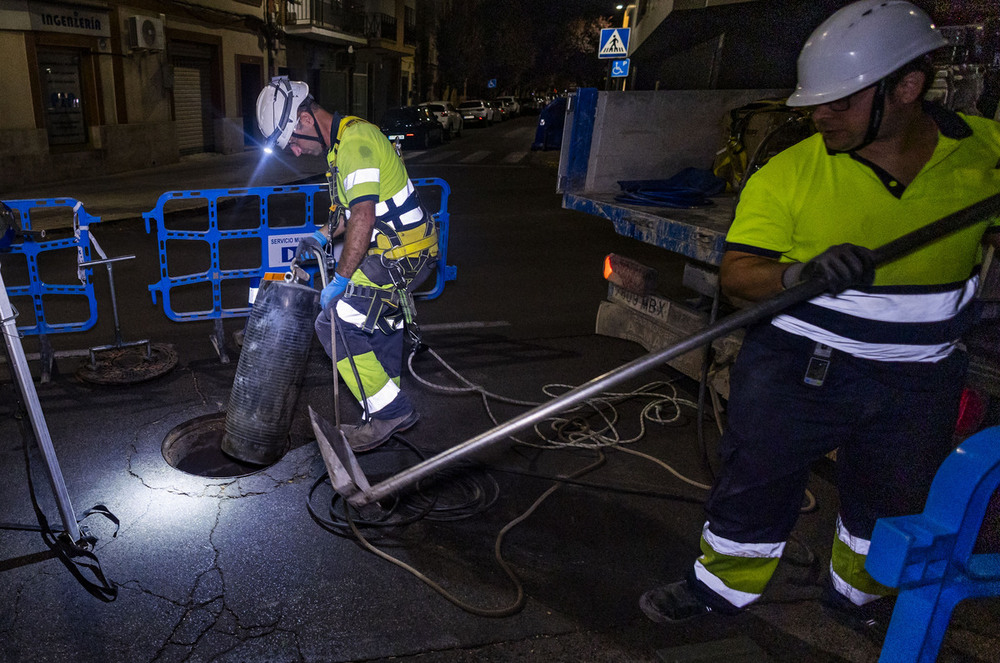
x=263, y=567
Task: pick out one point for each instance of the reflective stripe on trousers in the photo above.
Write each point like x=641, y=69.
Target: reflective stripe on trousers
x=847, y=568
x=892, y=426
x=377, y=356
x=738, y=572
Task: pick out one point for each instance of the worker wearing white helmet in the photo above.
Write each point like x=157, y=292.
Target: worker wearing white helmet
x=872, y=368
x=390, y=247
x=278, y=112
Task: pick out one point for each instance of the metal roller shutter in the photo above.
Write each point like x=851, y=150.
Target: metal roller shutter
x=193, y=98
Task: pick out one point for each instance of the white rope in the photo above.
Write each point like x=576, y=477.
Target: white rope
x=574, y=428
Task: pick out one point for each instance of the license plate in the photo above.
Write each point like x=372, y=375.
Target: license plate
x=397, y=137
x=469, y=117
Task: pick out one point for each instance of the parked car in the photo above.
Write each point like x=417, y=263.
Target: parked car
x=450, y=119
x=511, y=105
x=415, y=126
x=548, y=135
x=499, y=114
x=477, y=111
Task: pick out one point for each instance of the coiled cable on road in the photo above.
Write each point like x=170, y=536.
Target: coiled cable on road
x=465, y=497
x=520, y=598
x=576, y=431
x=571, y=431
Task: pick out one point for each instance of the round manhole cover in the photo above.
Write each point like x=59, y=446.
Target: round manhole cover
x=195, y=447
x=128, y=365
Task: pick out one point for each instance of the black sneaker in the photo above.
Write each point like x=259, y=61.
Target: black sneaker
x=871, y=619
x=672, y=603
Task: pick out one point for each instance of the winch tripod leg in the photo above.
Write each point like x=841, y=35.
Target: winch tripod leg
x=22, y=375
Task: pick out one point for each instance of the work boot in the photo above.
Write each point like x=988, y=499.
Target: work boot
x=372, y=433
x=672, y=603
x=871, y=619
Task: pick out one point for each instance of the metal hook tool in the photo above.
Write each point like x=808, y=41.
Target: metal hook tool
x=346, y=475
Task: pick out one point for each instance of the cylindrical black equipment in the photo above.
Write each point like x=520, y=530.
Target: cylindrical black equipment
x=269, y=375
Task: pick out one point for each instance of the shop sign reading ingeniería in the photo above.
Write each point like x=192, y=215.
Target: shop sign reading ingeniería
x=66, y=18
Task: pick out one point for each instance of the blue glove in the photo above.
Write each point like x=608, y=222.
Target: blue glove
x=311, y=246
x=333, y=290
x=321, y=238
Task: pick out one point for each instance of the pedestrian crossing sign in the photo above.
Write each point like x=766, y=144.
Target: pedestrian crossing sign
x=614, y=43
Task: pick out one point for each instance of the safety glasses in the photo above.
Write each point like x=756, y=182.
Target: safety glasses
x=844, y=104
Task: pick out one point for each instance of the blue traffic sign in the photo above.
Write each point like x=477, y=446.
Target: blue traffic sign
x=619, y=68
x=614, y=43
x=492, y=83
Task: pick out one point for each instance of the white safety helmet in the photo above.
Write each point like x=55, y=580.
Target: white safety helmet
x=859, y=45
x=278, y=110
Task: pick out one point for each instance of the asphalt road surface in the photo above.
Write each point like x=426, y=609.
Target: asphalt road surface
x=236, y=569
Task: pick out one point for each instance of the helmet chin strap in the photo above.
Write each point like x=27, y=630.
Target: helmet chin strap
x=318, y=138
x=874, y=119
x=319, y=132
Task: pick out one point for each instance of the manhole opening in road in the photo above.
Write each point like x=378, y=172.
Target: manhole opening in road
x=195, y=447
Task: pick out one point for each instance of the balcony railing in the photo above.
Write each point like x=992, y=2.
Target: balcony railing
x=381, y=26
x=332, y=14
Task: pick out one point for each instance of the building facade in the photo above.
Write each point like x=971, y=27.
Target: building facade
x=100, y=87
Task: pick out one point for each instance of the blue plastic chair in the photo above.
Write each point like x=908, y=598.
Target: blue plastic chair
x=929, y=556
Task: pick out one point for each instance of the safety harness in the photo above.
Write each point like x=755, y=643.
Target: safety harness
x=397, y=266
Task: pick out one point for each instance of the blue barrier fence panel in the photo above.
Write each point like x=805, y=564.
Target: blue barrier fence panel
x=38, y=290
x=445, y=272
x=276, y=242
x=931, y=556
x=272, y=240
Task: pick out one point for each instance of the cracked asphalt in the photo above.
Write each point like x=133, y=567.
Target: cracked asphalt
x=237, y=570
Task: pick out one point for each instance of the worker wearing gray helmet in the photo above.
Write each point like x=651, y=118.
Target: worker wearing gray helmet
x=390, y=247
x=872, y=367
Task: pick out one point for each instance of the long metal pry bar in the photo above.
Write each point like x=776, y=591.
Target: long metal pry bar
x=358, y=495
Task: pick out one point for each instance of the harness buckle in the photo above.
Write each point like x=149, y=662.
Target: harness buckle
x=413, y=333
x=396, y=274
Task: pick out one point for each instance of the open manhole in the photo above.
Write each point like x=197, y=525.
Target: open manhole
x=195, y=447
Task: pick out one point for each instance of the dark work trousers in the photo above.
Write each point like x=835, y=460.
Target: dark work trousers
x=370, y=345
x=891, y=422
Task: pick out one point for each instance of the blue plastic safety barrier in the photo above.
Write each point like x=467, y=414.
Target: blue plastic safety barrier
x=36, y=288
x=277, y=244
x=445, y=272
x=929, y=556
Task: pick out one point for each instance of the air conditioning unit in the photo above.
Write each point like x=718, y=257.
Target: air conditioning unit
x=146, y=33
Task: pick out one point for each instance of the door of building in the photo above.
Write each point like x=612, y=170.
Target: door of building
x=193, y=115
x=251, y=82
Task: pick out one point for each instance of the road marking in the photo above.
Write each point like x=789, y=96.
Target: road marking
x=521, y=133
x=451, y=326
x=514, y=157
x=475, y=156
x=433, y=156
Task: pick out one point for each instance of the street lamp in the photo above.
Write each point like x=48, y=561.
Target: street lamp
x=627, y=13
